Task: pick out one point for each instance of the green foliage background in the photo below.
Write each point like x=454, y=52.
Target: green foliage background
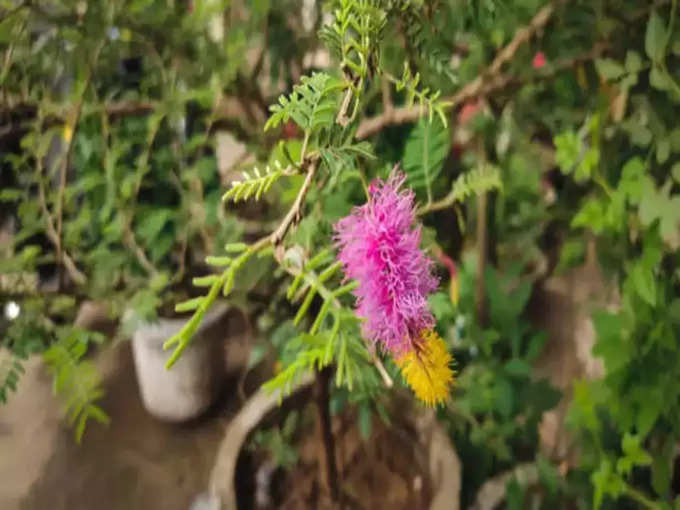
x=109, y=114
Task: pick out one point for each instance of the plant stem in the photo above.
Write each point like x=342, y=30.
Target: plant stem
x=482, y=241
x=328, y=470
x=638, y=496
x=295, y=213
x=489, y=78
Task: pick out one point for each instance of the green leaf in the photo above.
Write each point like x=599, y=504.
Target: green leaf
x=674, y=137
x=675, y=172
x=659, y=205
x=634, y=455
x=10, y=194
x=663, y=150
x=548, y=474
x=590, y=215
x=235, y=247
x=518, y=367
x=655, y=37
x=612, y=342
x=586, y=166
x=632, y=178
x=75, y=379
x=151, y=224
x=514, y=495
x=644, y=283
x=426, y=149
x=609, y=69
x=662, y=467
x=633, y=61
x=649, y=410
x=190, y=305
x=606, y=482
x=568, y=147
x=659, y=79
x=312, y=104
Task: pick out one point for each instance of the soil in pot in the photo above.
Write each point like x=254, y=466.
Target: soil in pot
x=387, y=470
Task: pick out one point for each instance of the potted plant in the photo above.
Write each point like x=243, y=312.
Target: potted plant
x=110, y=183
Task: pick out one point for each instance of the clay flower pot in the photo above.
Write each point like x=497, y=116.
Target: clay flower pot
x=186, y=390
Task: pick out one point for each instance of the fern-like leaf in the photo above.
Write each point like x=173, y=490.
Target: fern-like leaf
x=76, y=380
x=355, y=33
x=256, y=184
x=341, y=345
x=425, y=98
x=312, y=104
x=223, y=282
x=342, y=160
x=11, y=370
x=426, y=149
x=484, y=178
x=309, y=283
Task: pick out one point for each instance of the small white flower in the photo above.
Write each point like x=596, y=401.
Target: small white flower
x=12, y=310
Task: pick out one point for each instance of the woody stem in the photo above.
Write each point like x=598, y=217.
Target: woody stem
x=327, y=460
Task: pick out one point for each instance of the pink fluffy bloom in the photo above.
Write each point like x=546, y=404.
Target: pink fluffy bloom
x=379, y=247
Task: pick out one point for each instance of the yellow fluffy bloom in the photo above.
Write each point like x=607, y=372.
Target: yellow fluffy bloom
x=427, y=369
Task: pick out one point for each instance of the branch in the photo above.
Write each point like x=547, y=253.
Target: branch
x=76, y=275
x=66, y=160
x=328, y=464
x=123, y=108
x=131, y=244
x=295, y=213
x=489, y=80
x=492, y=493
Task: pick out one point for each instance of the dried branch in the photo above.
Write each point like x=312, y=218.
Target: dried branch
x=487, y=81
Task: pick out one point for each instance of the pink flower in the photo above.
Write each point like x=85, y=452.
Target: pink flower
x=379, y=247
x=539, y=60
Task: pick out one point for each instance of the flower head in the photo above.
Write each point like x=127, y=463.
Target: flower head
x=427, y=369
x=379, y=247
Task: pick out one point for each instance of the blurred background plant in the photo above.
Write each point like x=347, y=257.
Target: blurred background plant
x=123, y=124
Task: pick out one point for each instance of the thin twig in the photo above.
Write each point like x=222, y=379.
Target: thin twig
x=295, y=213
x=386, y=93
x=485, y=82
x=76, y=275
x=482, y=242
x=381, y=370
x=453, y=195
x=72, y=124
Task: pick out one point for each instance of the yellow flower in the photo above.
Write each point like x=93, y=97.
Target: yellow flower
x=427, y=369
x=67, y=133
